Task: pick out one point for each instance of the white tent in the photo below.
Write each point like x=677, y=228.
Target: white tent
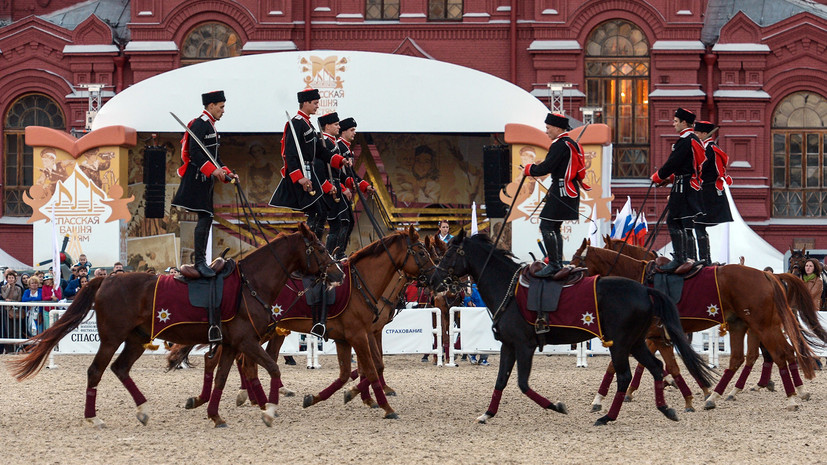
x=8, y=261
x=383, y=92
x=730, y=241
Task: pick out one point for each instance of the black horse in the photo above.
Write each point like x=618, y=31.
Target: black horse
x=626, y=307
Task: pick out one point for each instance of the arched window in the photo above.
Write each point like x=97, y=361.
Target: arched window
x=617, y=79
x=29, y=110
x=210, y=41
x=799, y=156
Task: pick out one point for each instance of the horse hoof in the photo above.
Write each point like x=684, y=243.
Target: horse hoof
x=709, y=405
x=483, y=419
x=559, y=407
x=95, y=422
x=392, y=416
x=669, y=413
x=142, y=415
x=241, y=398
x=596, y=408
x=308, y=401
x=192, y=403
x=689, y=409
x=219, y=422
x=730, y=397
x=269, y=414
x=771, y=386
x=805, y=396
x=287, y=392
x=223, y=424
x=602, y=421
x=792, y=408
x=390, y=393
x=628, y=398
x=371, y=403
x=348, y=396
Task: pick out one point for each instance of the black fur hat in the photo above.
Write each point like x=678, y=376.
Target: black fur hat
x=308, y=95
x=685, y=115
x=557, y=120
x=213, y=97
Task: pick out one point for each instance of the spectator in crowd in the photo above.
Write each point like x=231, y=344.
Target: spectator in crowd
x=74, y=285
x=444, y=235
x=100, y=273
x=39, y=275
x=82, y=261
x=812, y=278
x=474, y=299
x=82, y=282
x=23, y=283
x=50, y=293
x=11, y=292
x=768, y=269
x=33, y=318
x=118, y=266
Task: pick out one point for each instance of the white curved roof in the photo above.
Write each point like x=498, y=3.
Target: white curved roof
x=383, y=92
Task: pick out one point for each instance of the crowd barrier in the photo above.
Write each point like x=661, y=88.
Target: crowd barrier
x=413, y=331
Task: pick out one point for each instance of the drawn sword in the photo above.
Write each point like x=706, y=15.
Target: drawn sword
x=299, y=151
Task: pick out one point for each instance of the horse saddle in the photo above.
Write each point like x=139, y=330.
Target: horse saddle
x=313, y=295
x=207, y=292
x=544, y=293
x=686, y=269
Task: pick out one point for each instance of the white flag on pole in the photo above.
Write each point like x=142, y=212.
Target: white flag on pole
x=474, y=218
x=595, y=237
x=56, y=246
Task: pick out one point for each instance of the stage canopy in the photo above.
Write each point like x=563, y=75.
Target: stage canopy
x=383, y=92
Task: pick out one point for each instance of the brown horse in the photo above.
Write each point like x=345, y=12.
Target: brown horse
x=124, y=308
x=750, y=299
x=798, y=299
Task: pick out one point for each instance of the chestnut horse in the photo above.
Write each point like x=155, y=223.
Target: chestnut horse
x=627, y=310
x=124, y=308
x=750, y=299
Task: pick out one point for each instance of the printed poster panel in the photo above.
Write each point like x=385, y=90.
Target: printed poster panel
x=158, y=252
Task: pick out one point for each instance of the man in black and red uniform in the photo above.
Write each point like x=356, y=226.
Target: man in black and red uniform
x=566, y=165
x=682, y=169
x=195, y=193
x=347, y=133
x=713, y=177
x=294, y=190
x=335, y=208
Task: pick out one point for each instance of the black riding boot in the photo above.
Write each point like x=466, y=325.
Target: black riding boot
x=703, y=249
x=550, y=241
x=333, y=236
x=691, y=251
x=320, y=318
x=200, y=245
x=344, y=239
x=679, y=255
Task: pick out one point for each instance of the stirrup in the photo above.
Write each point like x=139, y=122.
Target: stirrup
x=214, y=334
x=318, y=330
x=541, y=326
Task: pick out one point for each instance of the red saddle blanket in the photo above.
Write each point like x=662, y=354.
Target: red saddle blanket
x=171, y=305
x=701, y=298
x=291, y=302
x=577, y=307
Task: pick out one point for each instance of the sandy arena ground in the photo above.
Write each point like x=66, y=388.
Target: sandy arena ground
x=41, y=421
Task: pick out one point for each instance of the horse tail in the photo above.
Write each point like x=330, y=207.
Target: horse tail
x=799, y=298
x=178, y=354
x=803, y=352
x=44, y=342
x=666, y=310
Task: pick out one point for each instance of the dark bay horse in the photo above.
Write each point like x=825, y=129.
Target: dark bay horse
x=124, y=308
x=383, y=269
x=750, y=299
x=626, y=308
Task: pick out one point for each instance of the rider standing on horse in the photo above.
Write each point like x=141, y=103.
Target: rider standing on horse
x=347, y=133
x=682, y=169
x=300, y=187
x=335, y=209
x=713, y=177
x=195, y=193
x=566, y=164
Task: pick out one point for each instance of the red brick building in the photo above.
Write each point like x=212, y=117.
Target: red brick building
x=755, y=70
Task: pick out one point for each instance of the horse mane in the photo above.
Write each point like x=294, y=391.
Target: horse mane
x=499, y=253
x=609, y=254
x=376, y=247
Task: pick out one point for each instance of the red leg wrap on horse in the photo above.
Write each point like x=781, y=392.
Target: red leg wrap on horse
x=279, y=384
x=91, y=396
x=328, y=391
x=273, y=398
x=660, y=401
x=364, y=389
x=206, y=388
x=354, y=374
x=789, y=389
x=796, y=375
x=540, y=400
x=617, y=402
x=379, y=393
x=136, y=394
x=382, y=380
x=603, y=390
x=725, y=379
x=636, y=378
x=494, y=405
x=685, y=391
x=256, y=391
x=766, y=374
x=742, y=380
x=215, y=399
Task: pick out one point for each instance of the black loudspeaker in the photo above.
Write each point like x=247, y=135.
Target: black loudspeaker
x=496, y=170
x=155, y=168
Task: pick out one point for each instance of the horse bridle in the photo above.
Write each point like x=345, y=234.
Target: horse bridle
x=451, y=281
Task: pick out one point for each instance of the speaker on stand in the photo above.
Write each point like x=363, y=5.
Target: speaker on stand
x=496, y=171
x=155, y=167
